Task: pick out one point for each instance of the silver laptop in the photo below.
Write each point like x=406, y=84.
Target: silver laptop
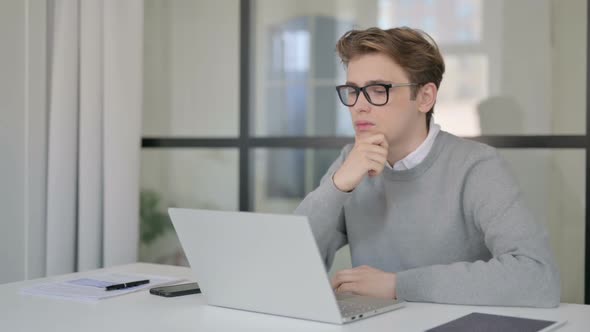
x=265, y=263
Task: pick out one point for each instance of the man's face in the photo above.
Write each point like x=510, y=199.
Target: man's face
x=399, y=116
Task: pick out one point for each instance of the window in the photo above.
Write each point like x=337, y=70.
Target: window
x=514, y=80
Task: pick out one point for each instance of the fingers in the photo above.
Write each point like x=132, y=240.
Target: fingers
x=373, y=148
x=342, y=277
x=369, y=149
x=377, y=139
x=376, y=144
x=350, y=280
x=348, y=287
x=368, y=156
x=349, y=275
x=376, y=157
x=375, y=167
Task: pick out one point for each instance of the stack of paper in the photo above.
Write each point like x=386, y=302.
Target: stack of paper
x=92, y=288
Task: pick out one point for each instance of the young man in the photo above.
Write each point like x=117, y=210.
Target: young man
x=428, y=216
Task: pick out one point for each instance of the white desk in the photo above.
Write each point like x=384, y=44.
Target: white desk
x=145, y=312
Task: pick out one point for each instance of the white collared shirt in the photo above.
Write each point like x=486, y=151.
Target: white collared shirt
x=418, y=155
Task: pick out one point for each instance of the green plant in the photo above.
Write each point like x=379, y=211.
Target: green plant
x=154, y=222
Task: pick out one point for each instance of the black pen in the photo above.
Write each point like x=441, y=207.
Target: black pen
x=127, y=284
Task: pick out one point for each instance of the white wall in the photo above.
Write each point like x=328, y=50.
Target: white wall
x=567, y=185
x=22, y=138
x=568, y=23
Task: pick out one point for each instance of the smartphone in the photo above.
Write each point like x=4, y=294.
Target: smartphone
x=176, y=290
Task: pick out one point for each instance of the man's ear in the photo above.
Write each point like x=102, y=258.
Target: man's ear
x=426, y=97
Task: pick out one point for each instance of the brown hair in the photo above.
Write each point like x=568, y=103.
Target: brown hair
x=412, y=49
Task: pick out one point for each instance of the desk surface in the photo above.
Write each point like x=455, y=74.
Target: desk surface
x=144, y=312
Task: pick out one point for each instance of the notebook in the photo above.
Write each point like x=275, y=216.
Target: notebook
x=481, y=322
x=92, y=287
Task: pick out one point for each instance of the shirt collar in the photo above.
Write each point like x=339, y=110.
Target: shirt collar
x=418, y=155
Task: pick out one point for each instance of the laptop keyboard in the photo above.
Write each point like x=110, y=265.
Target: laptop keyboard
x=352, y=309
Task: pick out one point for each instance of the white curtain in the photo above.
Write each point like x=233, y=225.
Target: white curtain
x=95, y=96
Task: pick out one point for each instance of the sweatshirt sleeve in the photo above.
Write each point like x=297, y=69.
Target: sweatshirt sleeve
x=522, y=270
x=324, y=208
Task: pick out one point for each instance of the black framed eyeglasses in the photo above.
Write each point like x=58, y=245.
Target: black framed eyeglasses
x=377, y=94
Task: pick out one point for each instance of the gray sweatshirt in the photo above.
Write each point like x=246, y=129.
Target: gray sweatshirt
x=454, y=228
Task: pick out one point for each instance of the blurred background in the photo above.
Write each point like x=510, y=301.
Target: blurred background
x=513, y=68
x=239, y=111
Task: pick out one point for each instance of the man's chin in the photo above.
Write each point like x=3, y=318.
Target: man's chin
x=365, y=133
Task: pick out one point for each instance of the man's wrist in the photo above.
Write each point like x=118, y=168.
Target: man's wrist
x=339, y=187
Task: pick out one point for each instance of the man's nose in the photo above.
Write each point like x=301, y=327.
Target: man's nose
x=362, y=104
